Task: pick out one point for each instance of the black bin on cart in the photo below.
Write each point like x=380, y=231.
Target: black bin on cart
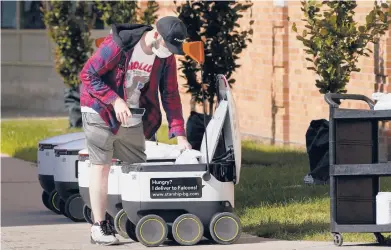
x=355, y=168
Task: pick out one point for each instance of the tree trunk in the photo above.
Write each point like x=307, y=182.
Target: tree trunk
x=211, y=107
x=72, y=104
x=192, y=104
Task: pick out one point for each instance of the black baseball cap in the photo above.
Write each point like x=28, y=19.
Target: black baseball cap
x=174, y=32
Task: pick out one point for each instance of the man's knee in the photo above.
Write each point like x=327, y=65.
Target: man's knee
x=101, y=167
x=99, y=173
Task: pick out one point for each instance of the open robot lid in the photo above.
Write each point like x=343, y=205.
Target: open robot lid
x=231, y=127
x=213, y=132
x=224, y=123
x=60, y=139
x=75, y=145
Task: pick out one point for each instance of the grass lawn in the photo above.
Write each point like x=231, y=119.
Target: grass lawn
x=271, y=199
x=20, y=137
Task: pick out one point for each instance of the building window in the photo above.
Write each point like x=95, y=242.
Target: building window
x=8, y=14
x=31, y=16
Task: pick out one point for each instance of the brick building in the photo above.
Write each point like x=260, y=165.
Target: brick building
x=275, y=93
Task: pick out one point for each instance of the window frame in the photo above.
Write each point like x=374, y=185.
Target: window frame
x=18, y=22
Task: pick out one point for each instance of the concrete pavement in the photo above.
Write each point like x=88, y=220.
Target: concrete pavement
x=27, y=224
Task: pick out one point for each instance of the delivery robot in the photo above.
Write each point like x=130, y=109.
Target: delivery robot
x=155, y=151
x=66, y=179
x=45, y=162
x=194, y=199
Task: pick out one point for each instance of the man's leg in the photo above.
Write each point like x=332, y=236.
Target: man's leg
x=100, y=149
x=98, y=191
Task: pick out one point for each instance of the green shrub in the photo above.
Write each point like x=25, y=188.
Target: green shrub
x=335, y=42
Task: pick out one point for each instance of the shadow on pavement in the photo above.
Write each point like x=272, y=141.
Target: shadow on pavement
x=295, y=231
x=21, y=202
x=244, y=239
x=368, y=245
x=386, y=244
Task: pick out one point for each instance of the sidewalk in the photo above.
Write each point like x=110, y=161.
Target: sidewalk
x=27, y=224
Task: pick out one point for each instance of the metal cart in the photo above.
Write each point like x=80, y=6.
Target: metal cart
x=355, y=168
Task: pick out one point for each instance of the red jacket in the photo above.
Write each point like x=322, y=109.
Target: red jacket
x=102, y=81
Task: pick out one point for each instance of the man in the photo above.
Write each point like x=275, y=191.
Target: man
x=127, y=71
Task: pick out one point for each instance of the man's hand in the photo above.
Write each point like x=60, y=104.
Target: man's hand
x=183, y=143
x=121, y=110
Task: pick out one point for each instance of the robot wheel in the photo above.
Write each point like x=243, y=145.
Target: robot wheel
x=87, y=213
x=131, y=230
x=120, y=220
x=89, y=216
x=151, y=230
x=45, y=199
x=74, y=208
x=225, y=228
x=187, y=229
x=56, y=204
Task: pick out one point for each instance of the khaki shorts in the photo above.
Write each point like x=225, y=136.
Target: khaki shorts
x=127, y=145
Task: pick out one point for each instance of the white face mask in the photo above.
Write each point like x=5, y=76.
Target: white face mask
x=157, y=49
x=161, y=52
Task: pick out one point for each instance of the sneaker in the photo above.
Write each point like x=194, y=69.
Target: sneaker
x=103, y=234
x=309, y=180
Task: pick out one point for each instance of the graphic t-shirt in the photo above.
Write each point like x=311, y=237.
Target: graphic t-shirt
x=137, y=75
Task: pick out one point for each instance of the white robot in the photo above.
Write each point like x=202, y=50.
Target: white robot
x=155, y=152
x=84, y=182
x=66, y=179
x=193, y=196
x=45, y=162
